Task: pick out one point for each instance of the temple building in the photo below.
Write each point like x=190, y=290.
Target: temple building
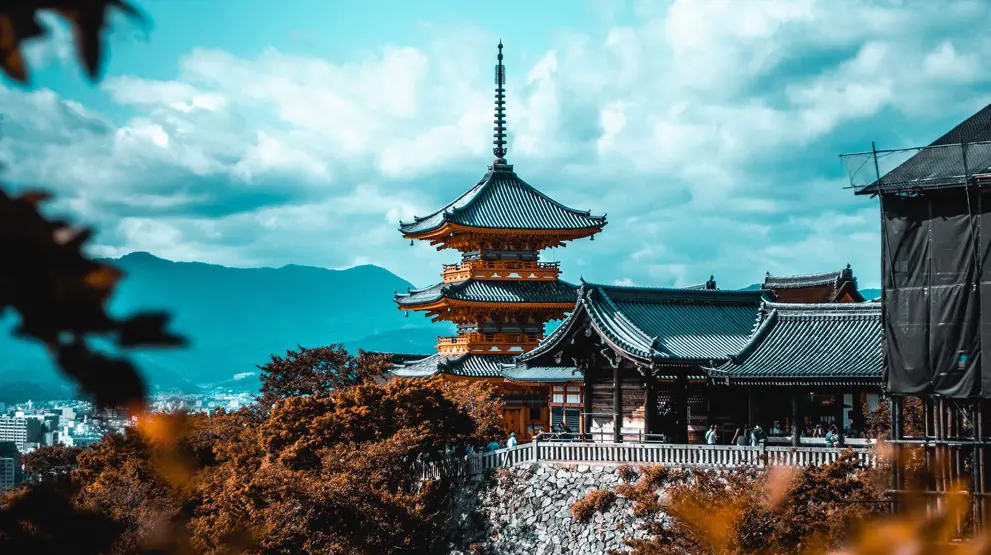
x=500, y=295
x=830, y=287
x=664, y=364
x=810, y=364
x=641, y=353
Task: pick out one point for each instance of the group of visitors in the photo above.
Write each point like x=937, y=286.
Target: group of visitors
x=755, y=436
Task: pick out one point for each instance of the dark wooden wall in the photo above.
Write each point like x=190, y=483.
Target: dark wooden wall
x=632, y=396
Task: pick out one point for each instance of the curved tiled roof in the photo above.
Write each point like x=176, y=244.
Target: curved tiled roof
x=807, y=280
x=492, y=291
x=468, y=365
x=811, y=342
x=814, y=288
x=501, y=200
x=664, y=323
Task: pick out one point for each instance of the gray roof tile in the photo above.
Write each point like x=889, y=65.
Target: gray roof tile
x=468, y=365
x=492, y=291
x=664, y=324
x=501, y=200
x=811, y=342
x=542, y=374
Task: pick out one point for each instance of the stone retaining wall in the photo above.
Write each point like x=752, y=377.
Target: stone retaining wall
x=527, y=510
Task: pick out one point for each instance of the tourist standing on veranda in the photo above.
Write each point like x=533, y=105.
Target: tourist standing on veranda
x=743, y=439
x=832, y=437
x=757, y=436
x=511, y=442
x=710, y=435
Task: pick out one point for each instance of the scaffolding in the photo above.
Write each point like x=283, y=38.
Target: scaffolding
x=915, y=169
x=936, y=287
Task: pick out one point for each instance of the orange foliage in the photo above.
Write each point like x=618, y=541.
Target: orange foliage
x=719, y=513
x=596, y=500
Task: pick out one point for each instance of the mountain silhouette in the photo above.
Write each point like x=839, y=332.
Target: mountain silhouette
x=235, y=318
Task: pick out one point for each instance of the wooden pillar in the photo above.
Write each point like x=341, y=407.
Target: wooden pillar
x=587, y=407
x=650, y=406
x=680, y=402
x=896, y=467
x=975, y=468
x=982, y=412
x=840, y=413
x=750, y=408
x=857, y=418
x=617, y=405
x=796, y=417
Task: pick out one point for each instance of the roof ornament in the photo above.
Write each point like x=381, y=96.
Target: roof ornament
x=711, y=284
x=500, y=110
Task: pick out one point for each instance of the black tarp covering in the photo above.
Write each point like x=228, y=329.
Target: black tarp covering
x=933, y=300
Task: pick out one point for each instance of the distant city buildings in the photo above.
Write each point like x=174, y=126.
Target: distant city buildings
x=13, y=428
x=10, y=465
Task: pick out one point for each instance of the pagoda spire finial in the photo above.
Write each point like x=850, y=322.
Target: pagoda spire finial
x=500, y=110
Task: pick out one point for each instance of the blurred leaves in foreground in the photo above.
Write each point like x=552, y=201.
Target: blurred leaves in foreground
x=61, y=294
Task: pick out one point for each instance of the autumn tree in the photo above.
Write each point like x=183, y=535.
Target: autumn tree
x=307, y=371
x=878, y=421
x=51, y=463
x=332, y=471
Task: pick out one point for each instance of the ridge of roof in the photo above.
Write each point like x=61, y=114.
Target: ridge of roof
x=545, y=344
x=825, y=309
x=678, y=293
x=808, y=280
x=762, y=328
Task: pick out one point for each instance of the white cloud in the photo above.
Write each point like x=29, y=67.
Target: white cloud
x=704, y=130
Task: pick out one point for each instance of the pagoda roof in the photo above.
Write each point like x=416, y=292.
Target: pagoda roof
x=492, y=291
x=501, y=200
x=943, y=163
x=465, y=365
x=661, y=324
x=810, y=344
x=826, y=287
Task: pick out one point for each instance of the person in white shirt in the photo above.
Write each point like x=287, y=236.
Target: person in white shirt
x=511, y=442
x=710, y=435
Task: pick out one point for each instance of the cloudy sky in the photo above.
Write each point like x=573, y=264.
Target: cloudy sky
x=243, y=133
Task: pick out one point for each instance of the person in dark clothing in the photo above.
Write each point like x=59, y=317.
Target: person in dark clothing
x=743, y=438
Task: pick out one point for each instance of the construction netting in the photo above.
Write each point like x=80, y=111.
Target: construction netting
x=917, y=168
x=937, y=291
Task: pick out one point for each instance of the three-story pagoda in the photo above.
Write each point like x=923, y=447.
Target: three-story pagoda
x=500, y=295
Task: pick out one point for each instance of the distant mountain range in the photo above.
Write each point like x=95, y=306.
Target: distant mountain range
x=235, y=319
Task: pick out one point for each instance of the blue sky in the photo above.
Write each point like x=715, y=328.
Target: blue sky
x=258, y=133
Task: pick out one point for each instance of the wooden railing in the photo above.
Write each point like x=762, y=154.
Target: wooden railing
x=501, y=269
x=665, y=454
x=486, y=342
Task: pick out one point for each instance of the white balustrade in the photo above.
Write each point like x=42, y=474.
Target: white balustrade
x=665, y=454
